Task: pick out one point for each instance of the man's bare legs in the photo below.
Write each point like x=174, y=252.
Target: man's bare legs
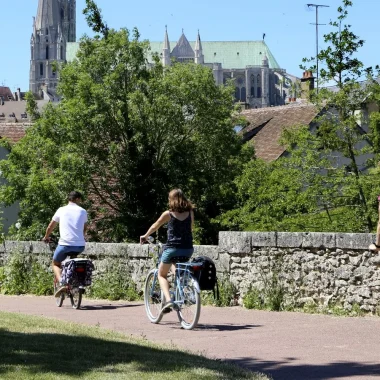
x=57, y=270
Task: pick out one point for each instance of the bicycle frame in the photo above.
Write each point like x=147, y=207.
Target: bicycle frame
x=184, y=294
x=183, y=275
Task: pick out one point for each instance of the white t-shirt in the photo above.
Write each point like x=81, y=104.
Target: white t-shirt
x=71, y=219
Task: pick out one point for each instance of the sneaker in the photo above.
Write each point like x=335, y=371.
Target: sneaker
x=61, y=289
x=168, y=305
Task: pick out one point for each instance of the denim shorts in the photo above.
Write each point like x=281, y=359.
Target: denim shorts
x=62, y=251
x=175, y=252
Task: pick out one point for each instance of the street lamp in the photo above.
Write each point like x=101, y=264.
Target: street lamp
x=316, y=6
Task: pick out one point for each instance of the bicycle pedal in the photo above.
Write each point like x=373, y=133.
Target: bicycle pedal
x=167, y=310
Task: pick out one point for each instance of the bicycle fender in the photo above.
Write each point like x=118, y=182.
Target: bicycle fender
x=196, y=286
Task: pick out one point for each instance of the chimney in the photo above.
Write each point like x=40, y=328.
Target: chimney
x=19, y=95
x=307, y=84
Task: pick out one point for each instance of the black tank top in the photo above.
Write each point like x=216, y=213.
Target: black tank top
x=179, y=233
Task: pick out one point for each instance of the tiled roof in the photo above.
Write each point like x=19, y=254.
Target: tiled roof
x=5, y=93
x=266, y=125
x=13, y=132
x=18, y=109
x=231, y=54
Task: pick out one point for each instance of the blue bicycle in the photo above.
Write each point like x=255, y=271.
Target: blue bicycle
x=185, y=292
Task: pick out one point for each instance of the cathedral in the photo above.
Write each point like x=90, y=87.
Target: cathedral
x=258, y=79
x=53, y=28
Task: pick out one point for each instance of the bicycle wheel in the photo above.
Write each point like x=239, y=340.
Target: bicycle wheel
x=189, y=309
x=153, y=297
x=61, y=297
x=76, y=297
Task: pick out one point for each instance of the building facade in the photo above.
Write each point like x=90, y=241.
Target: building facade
x=53, y=27
x=258, y=79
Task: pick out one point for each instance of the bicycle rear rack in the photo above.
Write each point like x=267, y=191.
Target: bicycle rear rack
x=183, y=272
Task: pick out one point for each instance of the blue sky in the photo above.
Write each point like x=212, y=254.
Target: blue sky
x=286, y=24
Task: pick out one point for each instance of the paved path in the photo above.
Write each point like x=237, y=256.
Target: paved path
x=290, y=346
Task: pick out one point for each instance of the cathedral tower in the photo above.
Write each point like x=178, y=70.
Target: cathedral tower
x=53, y=27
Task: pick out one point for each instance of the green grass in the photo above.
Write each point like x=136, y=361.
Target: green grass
x=36, y=348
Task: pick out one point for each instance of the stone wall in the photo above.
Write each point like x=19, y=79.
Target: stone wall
x=321, y=268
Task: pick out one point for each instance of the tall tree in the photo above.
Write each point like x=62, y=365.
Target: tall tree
x=326, y=183
x=126, y=133
x=340, y=131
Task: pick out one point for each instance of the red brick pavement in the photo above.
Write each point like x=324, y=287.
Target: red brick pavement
x=291, y=346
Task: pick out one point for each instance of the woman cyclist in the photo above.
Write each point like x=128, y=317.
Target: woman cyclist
x=180, y=220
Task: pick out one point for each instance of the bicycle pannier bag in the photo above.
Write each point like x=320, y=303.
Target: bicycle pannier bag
x=77, y=272
x=206, y=275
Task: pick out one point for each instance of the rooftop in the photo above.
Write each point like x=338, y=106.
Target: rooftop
x=266, y=125
x=231, y=54
x=13, y=111
x=13, y=132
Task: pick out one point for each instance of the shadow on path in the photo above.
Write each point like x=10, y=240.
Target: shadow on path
x=285, y=370
x=226, y=327
x=106, y=307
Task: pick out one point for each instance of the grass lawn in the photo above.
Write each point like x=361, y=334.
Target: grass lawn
x=36, y=348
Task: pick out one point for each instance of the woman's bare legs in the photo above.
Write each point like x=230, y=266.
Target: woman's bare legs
x=162, y=278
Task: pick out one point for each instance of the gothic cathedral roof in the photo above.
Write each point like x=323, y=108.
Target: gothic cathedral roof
x=231, y=54
x=183, y=49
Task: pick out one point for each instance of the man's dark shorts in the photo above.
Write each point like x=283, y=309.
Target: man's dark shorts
x=62, y=251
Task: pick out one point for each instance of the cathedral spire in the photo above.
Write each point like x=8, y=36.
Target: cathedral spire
x=199, y=57
x=47, y=14
x=198, y=43
x=166, y=49
x=166, y=42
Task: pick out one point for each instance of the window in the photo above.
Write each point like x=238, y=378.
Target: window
x=47, y=31
x=258, y=86
x=61, y=52
x=252, y=86
x=237, y=94
x=243, y=96
x=47, y=52
x=41, y=69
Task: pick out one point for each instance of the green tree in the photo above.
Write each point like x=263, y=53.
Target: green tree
x=126, y=133
x=325, y=183
x=340, y=126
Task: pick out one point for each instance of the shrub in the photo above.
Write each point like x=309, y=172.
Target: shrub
x=253, y=299
x=40, y=280
x=228, y=294
x=115, y=283
x=23, y=274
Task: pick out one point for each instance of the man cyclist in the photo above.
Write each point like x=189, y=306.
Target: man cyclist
x=72, y=221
